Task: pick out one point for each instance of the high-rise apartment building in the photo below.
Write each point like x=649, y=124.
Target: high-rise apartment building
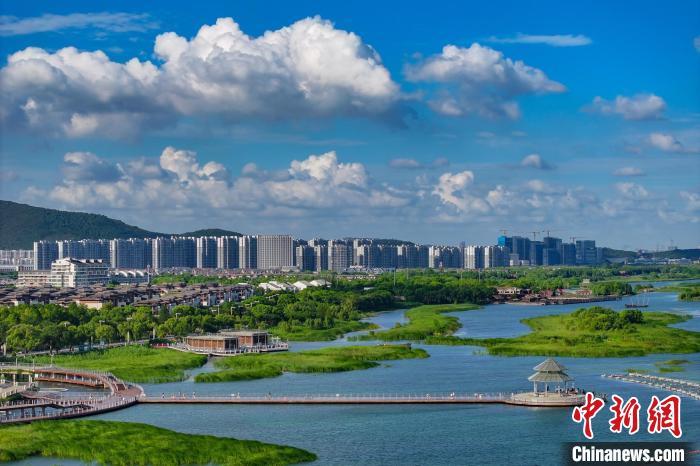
x=321, y=257
x=206, y=252
x=339, y=255
x=474, y=257
x=275, y=252
x=495, y=256
x=305, y=258
x=586, y=253
x=227, y=251
x=132, y=253
x=45, y=252
x=248, y=252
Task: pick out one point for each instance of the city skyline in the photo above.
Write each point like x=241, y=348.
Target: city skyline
x=486, y=123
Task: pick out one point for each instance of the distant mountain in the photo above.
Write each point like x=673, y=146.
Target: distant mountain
x=22, y=224
x=693, y=254
x=211, y=232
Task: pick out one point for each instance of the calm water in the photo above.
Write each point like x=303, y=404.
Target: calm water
x=425, y=435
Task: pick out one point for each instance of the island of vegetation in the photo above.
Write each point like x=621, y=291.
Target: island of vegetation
x=594, y=332
x=122, y=443
x=423, y=322
x=335, y=359
x=134, y=363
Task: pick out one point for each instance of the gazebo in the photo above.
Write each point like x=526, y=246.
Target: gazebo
x=549, y=371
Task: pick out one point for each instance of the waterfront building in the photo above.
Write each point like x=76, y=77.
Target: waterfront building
x=275, y=252
x=45, y=252
x=248, y=252
x=227, y=251
x=233, y=342
x=206, y=252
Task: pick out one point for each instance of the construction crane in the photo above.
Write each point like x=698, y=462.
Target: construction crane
x=534, y=234
x=548, y=231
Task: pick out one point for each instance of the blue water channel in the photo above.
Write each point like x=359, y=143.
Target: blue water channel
x=426, y=435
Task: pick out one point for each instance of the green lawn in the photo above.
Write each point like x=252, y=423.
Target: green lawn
x=337, y=359
x=300, y=333
x=134, y=363
x=122, y=443
x=593, y=332
x=423, y=322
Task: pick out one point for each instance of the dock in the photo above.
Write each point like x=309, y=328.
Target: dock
x=682, y=387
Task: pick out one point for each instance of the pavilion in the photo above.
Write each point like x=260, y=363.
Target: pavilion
x=549, y=371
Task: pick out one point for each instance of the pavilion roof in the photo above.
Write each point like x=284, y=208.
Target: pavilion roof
x=549, y=365
x=549, y=377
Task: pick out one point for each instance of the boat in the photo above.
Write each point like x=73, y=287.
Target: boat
x=634, y=304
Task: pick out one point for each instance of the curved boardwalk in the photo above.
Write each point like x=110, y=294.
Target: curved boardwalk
x=36, y=406
x=682, y=387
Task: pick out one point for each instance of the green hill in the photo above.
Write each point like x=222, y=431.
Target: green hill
x=21, y=225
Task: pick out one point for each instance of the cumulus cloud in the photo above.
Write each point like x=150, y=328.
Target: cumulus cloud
x=453, y=189
x=105, y=21
x=668, y=143
x=632, y=191
x=637, y=107
x=692, y=200
x=629, y=171
x=86, y=166
x=479, y=80
x=307, y=69
x=535, y=161
x=178, y=180
x=554, y=40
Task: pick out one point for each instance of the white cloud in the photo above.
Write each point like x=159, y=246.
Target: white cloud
x=554, y=40
x=309, y=69
x=410, y=163
x=535, y=161
x=629, y=171
x=479, y=80
x=696, y=43
x=178, y=181
x=632, y=191
x=79, y=166
x=637, y=107
x=692, y=200
x=453, y=189
x=405, y=163
x=668, y=143
x=105, y=21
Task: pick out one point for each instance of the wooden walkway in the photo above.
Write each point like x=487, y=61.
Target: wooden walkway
x=682, y=387
x=35, y=406
x=518, y=399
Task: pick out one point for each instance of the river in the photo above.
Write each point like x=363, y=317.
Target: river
x=426, y=435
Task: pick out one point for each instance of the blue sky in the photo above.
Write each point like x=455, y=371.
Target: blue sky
x=430, y=122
